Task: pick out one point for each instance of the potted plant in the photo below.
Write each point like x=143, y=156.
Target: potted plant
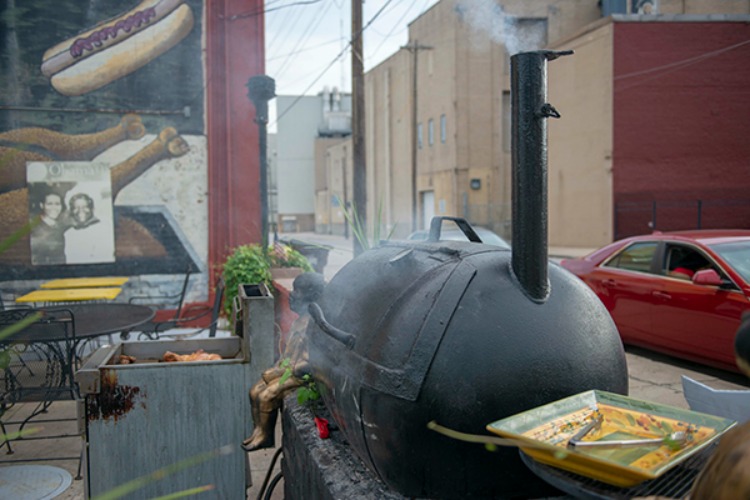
x=248, y=264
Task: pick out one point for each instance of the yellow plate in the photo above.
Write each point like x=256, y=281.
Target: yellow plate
x=70, y=295
x=549, y=428
x=111, y=281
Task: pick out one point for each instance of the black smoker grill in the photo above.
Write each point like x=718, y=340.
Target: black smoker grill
x=462, y=333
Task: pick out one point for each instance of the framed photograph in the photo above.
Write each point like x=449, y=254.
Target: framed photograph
x=70, y=207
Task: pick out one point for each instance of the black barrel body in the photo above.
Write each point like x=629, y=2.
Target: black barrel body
x=443, y=331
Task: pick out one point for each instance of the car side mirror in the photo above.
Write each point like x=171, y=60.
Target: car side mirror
x=707, y=277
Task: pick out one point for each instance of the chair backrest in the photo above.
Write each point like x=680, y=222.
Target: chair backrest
x=218, y=297
x=39, y=354
x=183, y=292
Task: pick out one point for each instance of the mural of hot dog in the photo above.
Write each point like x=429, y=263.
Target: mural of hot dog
x=116, y=47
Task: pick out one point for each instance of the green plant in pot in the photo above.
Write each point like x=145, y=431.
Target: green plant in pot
x=248, y=264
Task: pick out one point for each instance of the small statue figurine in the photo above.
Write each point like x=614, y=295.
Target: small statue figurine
x=268, y=393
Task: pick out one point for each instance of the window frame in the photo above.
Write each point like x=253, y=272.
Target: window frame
x=614, y=261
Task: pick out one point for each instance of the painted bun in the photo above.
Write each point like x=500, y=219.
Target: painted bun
x=117, y=47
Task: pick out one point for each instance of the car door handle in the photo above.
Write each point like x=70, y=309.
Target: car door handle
x=609, y=283
x=661, y=295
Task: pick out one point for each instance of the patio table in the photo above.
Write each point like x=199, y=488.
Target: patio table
x=91, y=320
x=100, y=281
x=95, y=319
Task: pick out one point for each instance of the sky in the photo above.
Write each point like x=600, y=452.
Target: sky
x=307, y=40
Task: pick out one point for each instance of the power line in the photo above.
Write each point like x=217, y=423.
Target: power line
x=264, y=10
x=289, y=23
x=684, y=61
x=306, y=49
x=309, y=74
x=395, y=25
x=314, y=23
x=335, y=59
x=666, y=69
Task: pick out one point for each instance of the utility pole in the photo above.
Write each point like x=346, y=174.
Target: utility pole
x=414, y=48
x=359, y=178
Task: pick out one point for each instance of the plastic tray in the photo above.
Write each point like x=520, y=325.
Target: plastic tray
x=548, y=429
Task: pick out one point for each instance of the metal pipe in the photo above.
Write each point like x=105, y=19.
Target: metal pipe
x=262, y=89
x=529, y=169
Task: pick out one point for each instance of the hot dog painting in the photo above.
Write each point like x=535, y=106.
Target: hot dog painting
x=116, y=47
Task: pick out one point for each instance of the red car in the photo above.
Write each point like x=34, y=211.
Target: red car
x=681, y=293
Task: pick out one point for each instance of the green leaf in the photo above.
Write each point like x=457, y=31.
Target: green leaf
x=358, y=227
x=17, y=327
x=4, y=359
x=302, y=396
x=18, y=234
x=285, y=376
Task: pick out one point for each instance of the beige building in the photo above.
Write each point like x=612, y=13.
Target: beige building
x=454, y=113
x=333, y=183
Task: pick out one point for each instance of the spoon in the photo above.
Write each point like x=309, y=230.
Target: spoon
x=675, y=440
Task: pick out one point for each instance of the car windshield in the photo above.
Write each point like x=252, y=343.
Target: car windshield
x=737, y=255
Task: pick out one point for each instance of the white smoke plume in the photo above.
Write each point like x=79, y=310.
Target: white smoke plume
x=486, y=17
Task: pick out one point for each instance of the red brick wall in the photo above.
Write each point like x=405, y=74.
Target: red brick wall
x=234, y=53
x=681, y=124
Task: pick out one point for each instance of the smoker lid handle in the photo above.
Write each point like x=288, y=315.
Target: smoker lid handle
x=317, y=315
x=437, y=223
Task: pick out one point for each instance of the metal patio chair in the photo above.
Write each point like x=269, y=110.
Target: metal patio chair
x=37, y=364
x=194, y=314
x=152, y=329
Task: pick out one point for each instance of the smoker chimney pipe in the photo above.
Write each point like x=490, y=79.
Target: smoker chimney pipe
x=529, y=154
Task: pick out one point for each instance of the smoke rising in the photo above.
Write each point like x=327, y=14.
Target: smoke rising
x=488, y=18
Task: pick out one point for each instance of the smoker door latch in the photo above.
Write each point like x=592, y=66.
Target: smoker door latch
x=548, y=111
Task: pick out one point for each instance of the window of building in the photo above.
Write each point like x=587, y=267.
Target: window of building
x=430, y=132
x=443, y=127
x=419, y=136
